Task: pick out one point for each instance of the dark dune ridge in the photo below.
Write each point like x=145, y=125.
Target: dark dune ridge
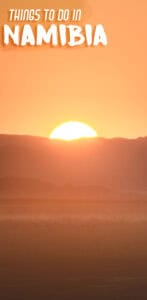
x=98, y=165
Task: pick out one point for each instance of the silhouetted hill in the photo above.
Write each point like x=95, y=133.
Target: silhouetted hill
x=98, y=164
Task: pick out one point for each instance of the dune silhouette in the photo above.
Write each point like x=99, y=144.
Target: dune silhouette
x=98, y=165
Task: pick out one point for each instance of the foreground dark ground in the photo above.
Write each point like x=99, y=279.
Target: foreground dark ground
x=79, y=251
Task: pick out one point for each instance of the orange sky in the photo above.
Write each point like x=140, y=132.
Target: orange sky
x=105, y=87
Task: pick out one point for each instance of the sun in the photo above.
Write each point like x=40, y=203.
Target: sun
x=72, y=131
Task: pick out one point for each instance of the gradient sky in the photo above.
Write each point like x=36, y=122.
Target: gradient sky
x=103, y=86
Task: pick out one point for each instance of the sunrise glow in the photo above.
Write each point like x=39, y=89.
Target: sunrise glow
x=72, y=131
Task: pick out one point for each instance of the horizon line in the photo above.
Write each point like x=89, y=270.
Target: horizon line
x=69, y=141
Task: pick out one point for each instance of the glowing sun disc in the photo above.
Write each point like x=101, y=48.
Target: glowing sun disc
x=72, y=131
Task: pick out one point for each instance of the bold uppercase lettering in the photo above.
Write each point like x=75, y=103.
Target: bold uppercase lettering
x=9, y=34
x=88, y=32
x=43, y=36
x=100, y=36
x=62, y=30
x=71, y=35
x=75, y=33
x=27, y=36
